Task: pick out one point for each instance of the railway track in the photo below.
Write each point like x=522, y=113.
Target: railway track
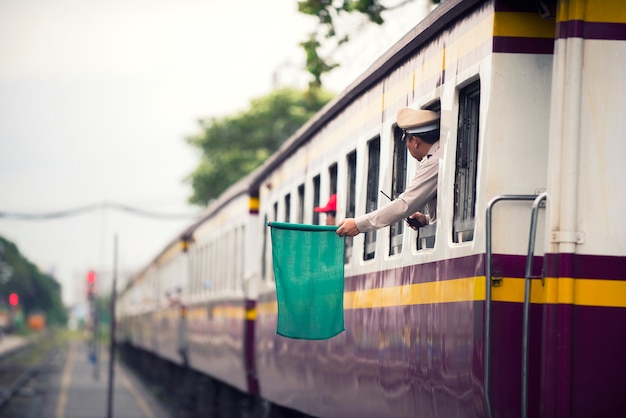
x=20, y=367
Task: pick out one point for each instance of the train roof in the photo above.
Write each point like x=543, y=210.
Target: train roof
x=430, y=26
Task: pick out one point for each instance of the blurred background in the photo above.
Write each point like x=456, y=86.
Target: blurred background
x=97, y=98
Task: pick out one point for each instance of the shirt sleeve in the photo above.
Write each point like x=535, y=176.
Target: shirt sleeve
x=420, y=191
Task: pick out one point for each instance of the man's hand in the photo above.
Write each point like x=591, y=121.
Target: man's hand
x=420, y=217
x=347, y=228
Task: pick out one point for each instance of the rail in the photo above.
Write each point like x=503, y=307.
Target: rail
x=488, y=284
x=25, y=358
x=528, y=279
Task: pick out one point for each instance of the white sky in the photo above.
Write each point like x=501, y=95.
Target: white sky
x=96, y=98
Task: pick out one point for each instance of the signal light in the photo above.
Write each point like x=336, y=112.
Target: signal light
x=91, y=284
x=14, y=299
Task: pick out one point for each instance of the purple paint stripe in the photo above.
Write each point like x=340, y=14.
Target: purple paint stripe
x=592, y=30
x=598, y=344
x=522, y=45
x=603, y=267
x=249, y=350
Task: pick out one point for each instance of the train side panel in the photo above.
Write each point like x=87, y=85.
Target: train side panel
x=169, y=315
x=219, y=300
x=583, y=290
x=415, y=325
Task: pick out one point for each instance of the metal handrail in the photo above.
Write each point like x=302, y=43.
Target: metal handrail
x=488, y=253
x=526, y=322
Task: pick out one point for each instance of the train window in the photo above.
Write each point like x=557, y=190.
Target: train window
x=201, y=272
x=426, y=235
x=350, y=202
x=193, y=264
x=205, y=274
x=316, y=199
x=225, y=270
x=222, y=254
x=371, y=202
x=207, y=277
x=240, y=257
x=198, y=270
x=466, y=164
x=231, y=275
x=288, y=207
x=264, y=254
x=212, y=285
x=300, y=218
x=332, y=174
x=398, y=182
x=235, y=262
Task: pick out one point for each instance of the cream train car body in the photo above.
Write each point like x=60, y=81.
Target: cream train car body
x=513, y=303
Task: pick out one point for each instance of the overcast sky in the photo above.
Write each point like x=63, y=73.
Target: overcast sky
x=96, y=98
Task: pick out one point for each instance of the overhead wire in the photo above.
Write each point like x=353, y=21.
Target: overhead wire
x=92, y=207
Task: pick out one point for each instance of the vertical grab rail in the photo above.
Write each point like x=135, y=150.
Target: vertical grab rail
x=488, y=254
x=526, y=321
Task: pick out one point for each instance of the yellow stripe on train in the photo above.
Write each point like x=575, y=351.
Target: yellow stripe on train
x=522, y=25
x=581, y=292
x=592, y=11
x=458, y=290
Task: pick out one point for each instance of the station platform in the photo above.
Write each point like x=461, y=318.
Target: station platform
x=10, y=343
x=77, y=386
x=82, y=392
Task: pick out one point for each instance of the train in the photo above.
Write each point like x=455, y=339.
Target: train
x=512, y=304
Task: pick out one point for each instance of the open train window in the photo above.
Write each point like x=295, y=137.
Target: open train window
x=426, y=234
x=316, y=199
x=350, y=202
x=300, y=218
x=398, y=181
x=371, y=202
x=275, y=214
x=288, y=207
x=264, y=252
x=466, y=164
x=332, y=175
x=240, y=233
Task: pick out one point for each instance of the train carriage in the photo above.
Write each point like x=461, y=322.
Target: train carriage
x=135, y=311
x=470, y=318
x=222, y=293
x=511, y=305
x=188, y=317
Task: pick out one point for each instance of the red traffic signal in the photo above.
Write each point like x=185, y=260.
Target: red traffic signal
x=14, y=299
x=91, y=276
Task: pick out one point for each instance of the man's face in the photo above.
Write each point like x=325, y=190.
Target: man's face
x=412, y=142
x=330, y=218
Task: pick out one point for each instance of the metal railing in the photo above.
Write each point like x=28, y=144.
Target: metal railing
x=488, y=283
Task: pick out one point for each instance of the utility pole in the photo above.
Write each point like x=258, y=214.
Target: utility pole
x=112, y=332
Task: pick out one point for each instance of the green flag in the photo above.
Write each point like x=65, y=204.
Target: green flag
x=308, y=267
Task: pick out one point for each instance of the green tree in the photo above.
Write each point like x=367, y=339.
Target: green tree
x=37, y=291
x=329, y=13
x=233, y=146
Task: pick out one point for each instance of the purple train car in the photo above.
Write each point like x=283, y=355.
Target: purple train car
x=513, y=304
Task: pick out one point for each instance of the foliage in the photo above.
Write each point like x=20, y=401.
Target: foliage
x=37, y=291
x=328, y=13
x=235, y=145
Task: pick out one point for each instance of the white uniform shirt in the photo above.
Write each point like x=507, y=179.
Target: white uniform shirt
x=420, y=195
